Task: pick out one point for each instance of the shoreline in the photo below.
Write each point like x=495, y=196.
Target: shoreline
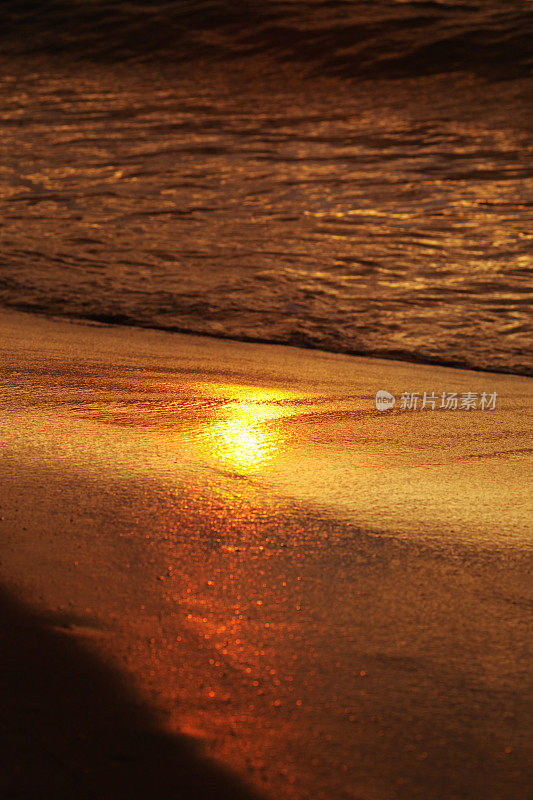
x=394, y=357
x=327, y=600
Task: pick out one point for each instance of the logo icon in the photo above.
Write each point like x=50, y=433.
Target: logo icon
x=384, y=400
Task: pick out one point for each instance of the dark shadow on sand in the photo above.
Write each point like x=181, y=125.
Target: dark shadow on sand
x=70, y=729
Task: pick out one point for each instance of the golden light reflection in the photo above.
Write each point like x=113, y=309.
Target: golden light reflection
x=244, y=441
x=247, y=434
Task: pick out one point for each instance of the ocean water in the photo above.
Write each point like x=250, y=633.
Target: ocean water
x=352, y=176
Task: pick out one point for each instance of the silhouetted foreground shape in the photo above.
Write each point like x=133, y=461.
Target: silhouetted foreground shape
x=70, y=729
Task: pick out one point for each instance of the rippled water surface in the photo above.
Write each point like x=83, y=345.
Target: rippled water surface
x=262, y=198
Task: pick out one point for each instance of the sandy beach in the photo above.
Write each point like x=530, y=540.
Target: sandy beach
x=224, y=573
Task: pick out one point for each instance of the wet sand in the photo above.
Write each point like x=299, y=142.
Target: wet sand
x=221, y=564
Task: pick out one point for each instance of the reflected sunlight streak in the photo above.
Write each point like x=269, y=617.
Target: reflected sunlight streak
x=247, y=438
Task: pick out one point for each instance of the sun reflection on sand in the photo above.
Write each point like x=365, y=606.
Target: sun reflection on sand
x=242, y=443
x=244, y=435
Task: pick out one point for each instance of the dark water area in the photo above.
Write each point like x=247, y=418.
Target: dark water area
x=352, y=176
x=342, y=37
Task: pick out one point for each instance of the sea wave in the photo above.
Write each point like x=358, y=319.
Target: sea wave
x=342, y=37
x=242, y=195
